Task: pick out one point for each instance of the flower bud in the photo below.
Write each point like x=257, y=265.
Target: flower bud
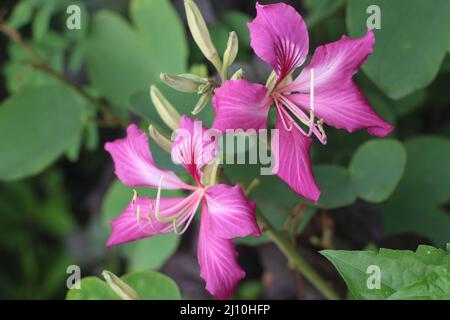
x=202, y=102
x=121, y=288
x=239, y=74
x=230, y=52
x=166, y=111
x=200, y=33
x=160, y=139
x=182, y=82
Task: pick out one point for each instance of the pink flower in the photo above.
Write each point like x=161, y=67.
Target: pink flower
x=226, y=212
x=280, y=38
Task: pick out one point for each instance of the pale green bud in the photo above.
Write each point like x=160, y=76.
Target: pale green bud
x=200, y=33
x=239, y=74
x=166, y=111
x=182, y=82
x=122, y=289
x=160, y=139
x=230, y=52
x=202, y=102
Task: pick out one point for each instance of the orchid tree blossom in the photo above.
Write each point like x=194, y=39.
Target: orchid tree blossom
x=279, y=37
x=225, y=211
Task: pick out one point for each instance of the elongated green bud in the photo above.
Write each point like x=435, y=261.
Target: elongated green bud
x=121, y=288
x=202, y=102
x=230, y=52
x=182, y=82
x=200, y=33
x=166, y=111
x=160, y=139
x=239, y=74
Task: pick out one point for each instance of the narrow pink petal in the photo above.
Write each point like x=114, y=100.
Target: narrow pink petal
x=293, y=164
x=128, y=226
x=279, y=36
x=134, y=165
x=218, y=261
x=337, y=99
x=240, y=104
x=231, y=214
x=192, y=147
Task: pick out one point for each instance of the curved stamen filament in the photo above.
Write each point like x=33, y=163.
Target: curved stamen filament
x=303, y=118
x=311, y=103
x=282, y=113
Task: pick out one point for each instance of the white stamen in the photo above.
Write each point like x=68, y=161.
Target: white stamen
x=311, y=103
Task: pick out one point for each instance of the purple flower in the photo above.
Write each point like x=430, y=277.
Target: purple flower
x=226, y=212
x=280, y=38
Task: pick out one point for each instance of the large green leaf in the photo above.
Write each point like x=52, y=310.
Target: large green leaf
x=410, y=46
x=92, y=288
x=162, y=34
x=414, y=206
x=36, y=127
x=149, y=285
x=150, y=253
x=123, y=59
x=335, y=186
x=153, y=285
x=404, y=274
x=376, y=169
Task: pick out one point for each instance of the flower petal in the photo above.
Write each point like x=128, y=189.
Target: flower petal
x=279, y=36
x=230, y=213
x=218, y=261
x=129, y=226
x=293, y=165
x=194, y=145
x=337, y=99
x=240, y=104
x=134, y=164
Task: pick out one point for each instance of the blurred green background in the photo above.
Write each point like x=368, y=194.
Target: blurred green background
x=64, y=93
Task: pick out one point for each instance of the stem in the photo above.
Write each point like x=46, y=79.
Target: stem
x=300, y=264
x=40, y=64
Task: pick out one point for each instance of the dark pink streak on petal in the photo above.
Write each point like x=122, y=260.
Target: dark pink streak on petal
x=192, y=148
x=279, y=36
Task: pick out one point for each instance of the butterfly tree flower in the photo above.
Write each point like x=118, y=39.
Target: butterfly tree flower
x=280, y=38
x=225, y=214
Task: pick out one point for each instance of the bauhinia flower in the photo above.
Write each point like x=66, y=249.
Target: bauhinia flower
x=280, y=38
x=225, y=214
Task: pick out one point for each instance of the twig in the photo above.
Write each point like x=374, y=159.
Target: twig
x=40, y=64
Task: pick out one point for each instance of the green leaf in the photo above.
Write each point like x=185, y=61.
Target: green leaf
x=376, y=168
x=414, y=206
x=36, y=127
x=335, y=186
x=123, y=60
x=321, y=9
x=92, y=288
x=404, y=274
x=410, y=46
x=162, y=34
x=149, y=285
x=153, y=285
x=144, y=254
